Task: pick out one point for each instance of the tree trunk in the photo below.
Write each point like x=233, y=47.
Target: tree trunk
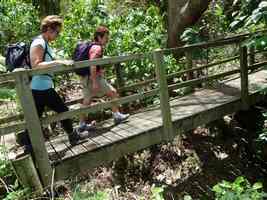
x=182, y=14
x=47, y=7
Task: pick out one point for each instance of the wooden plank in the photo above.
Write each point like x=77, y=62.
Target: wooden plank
x=216, y=43
x=27, y=173
x=34, y=127
x=257, y=65
x=9, y=84
x=11, y=118
x=203, y=79
x=6, y=77
x=99, y=61
x=106, y=154
x=57, y=148
x=12, y=128
x=244, y=77
x=164, y=95
x=177, y=74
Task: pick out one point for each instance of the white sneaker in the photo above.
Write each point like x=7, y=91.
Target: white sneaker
x=119, y=117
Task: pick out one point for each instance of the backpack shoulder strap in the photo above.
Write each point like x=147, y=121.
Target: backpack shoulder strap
x=46, y=51
x=97, y=44
x=46, y=47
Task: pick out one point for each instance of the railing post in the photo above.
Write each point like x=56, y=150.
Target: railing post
x=34, y=127
x=164, y=95
x=244, y=77
x=119, y=76
x=189, y=65
x=251, y=55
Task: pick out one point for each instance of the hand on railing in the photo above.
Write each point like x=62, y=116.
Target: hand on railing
x=65, y=62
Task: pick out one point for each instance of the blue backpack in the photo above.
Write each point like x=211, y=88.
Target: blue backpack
x=81, y=53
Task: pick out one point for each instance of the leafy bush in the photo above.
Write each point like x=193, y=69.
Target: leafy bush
x=21, y=194
x=19, y=22
x=240, y=189
x=7, y=94
x=5, y=165
x=81, y=195
x=141, y=30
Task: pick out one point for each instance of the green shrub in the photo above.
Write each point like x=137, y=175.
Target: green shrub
x=240, y=189
x=19, y=22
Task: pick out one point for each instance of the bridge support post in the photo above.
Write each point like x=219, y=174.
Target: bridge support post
x=119, y=77
x=244, y=77
x=164, y=95
x=34, y=127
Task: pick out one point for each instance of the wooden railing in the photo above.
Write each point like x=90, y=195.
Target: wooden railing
x=34, y=124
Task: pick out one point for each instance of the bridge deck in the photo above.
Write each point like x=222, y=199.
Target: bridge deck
x=144, y=129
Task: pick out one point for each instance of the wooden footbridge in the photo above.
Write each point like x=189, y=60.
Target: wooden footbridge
x=235, y=88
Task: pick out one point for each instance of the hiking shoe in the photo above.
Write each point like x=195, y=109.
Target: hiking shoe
x=74, y=137
x=119, y=117
x=87, y=127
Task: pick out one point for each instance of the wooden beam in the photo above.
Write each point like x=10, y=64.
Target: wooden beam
x=251, y=55
x=12, y=128
x=164, y=94
x=257, y=65
x=244, y=76
x=27, y=173
x=34, y=127
x=177, y=74
x=201, y=80
x=86, y=63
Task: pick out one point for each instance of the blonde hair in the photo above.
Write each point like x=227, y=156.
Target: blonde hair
x=51, y=21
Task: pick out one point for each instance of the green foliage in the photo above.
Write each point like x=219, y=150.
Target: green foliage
x=5, y=165
x=19, y=22
x=21, y=194
x=240, y=189
x=80, y=195
x=192, y=36
x=259, y=15
x=245, y=15
x=251, y=16
x=138, y=31
x=7, y=94
x=157, y=193
x=215, y=20
x=80, y=21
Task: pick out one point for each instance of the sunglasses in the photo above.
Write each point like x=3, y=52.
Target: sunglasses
x=56, y=31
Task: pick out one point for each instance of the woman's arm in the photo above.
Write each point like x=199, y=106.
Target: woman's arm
x=36, y=57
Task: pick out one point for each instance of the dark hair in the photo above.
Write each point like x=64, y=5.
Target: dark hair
x=51, y=21
x=100, y=32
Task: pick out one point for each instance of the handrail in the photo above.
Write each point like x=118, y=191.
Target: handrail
x=177, y=74
x=76, y=65
x=173, y=86
x=134, y=97
x=118, y=59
